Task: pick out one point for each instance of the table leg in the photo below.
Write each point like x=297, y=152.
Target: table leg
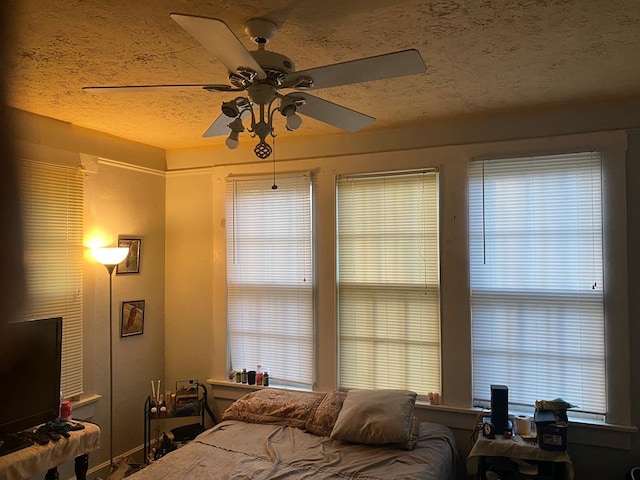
x=482, y=467
x=52, y=474
x=81, y=466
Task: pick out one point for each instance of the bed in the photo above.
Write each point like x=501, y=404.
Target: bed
x=279, y=434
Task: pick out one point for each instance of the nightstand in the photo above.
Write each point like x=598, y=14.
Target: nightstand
x=517, y=454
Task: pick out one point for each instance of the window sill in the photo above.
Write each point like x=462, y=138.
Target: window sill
x=232, y=391
x=84, y=409
x=583, y=431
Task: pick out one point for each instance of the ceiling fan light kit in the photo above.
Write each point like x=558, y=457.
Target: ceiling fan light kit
x=262, y=74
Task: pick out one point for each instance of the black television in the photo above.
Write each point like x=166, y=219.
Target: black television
x=30, y=376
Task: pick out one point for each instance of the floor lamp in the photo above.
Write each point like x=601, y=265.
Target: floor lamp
x=110, y=257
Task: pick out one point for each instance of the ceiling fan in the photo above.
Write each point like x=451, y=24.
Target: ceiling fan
x=262, y=74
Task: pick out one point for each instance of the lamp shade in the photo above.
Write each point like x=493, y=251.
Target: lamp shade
x=110, y=255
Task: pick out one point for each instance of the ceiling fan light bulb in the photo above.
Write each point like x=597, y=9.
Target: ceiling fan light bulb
x=293, y=122
x=232, y=141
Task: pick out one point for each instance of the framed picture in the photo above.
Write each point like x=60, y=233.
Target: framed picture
x=132, y=318
x=131, y=264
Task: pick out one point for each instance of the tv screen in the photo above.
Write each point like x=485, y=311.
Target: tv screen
x=31, y=375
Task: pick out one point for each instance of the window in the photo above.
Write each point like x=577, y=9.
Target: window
x=270, y=278
x=52, y=203
x=388, y=281
x=536, y=266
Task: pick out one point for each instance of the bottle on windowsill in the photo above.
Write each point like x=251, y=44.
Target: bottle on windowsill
x=265, y=379
x=259, y=375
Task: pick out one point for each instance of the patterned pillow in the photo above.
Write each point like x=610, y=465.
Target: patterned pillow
x=282, y=407
x=325, y=416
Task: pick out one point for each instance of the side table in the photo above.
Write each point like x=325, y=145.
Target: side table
x=516, y=448
x=40, y=458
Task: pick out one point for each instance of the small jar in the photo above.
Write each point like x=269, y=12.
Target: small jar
x=259, y=374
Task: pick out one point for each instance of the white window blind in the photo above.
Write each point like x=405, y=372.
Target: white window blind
x=270, y=278
x=52, y=198
x=388, y=282
x=537, y=279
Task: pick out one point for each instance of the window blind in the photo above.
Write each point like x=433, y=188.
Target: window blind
x=52, y=199
x=388, y=282
x=537, y=279
x=270, y=278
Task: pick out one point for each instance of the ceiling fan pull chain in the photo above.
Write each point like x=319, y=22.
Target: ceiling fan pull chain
x=274, y=186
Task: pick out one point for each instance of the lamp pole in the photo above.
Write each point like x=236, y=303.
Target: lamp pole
x=110, y=258
x=110, y=269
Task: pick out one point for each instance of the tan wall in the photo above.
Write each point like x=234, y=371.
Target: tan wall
x=448, y=145
x=189, y=253
x=128, y=202
x=119, y=200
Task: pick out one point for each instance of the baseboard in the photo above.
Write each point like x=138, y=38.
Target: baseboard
x=107, y=463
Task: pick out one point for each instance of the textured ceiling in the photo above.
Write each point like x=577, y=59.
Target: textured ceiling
x=482, y=56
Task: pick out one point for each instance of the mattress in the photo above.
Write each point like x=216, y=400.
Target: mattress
x=236, y=449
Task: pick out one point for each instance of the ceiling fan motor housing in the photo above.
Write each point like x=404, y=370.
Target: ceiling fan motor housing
x=261, y=93
x=269, y=60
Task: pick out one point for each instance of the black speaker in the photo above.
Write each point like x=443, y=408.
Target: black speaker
x=499, y=408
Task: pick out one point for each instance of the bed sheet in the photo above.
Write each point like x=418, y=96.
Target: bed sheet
x=239, y=450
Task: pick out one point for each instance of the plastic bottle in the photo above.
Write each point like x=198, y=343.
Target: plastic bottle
x=65, y=411
x=259, y=375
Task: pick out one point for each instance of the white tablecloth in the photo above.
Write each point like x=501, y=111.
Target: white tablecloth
x=40, y=458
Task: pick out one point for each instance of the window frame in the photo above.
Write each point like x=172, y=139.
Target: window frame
x=612, y=146
x=255, y=307
x=500, y=190
x=432, y=272
x=62, y=271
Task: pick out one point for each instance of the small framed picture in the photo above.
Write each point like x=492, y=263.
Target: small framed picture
x=132, y=318
x=131, y=264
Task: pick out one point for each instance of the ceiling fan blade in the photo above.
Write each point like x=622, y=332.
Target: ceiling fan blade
x=330, y=113
x=214, y=35
x=221, y=125
x=398, y=64
x=184, y=86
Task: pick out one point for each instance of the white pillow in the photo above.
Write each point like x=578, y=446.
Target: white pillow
x=376, y=417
